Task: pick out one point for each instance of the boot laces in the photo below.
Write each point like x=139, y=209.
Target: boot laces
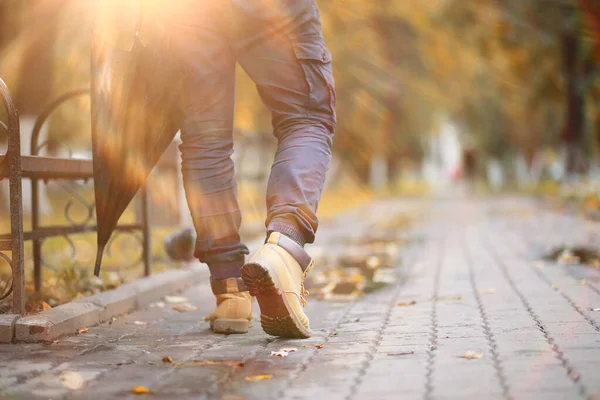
x=303, y=293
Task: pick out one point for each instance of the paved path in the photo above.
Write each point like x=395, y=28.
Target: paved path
x=472, y=274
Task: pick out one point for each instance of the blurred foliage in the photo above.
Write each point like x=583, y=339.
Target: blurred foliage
x=517, y=76
x=497, y=68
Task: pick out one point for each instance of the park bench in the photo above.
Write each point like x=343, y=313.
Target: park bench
x=15, y=167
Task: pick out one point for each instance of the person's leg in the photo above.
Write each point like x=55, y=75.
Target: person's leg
x=280, y=45
x=198, y=40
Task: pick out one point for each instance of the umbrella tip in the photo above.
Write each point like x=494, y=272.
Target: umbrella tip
x=99, y=255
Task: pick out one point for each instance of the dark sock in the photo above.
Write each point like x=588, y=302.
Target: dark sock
x=226, y=270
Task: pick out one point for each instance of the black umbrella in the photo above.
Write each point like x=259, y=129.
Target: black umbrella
x=133, y=122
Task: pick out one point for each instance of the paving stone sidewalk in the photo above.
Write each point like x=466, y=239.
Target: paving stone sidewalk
x=477, y=285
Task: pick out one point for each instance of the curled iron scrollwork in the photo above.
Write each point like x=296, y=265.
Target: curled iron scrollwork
x=73, y=189
x=6, y=287
x=72, y=256
x=114, y=238
x=88, y=205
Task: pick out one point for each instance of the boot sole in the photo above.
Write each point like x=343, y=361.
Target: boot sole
x=226, y=325
x=276, y=315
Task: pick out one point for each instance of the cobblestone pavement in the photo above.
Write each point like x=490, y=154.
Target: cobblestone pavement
x=477, y=286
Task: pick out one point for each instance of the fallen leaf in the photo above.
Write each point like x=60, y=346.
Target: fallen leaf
x=583, y=282
x=236, y=364
x=333, y=334
x=140, y=323
x=289, y=349
x=554, y=286
x=487, y=291
x=175, y=299
x=313, y=346
x=167, y=359
x=404, y=353
x=404, y=304
x=538, y=264
x=183, y=307
x=140, y=390
x=158, y=304
x=470, y=355
x=82, y=330
x=71, y=380
x=595, y=309
x=255, y=378
x=128, y=362
x=568, y=257
x=46, y=306
x=458, y=297
x=284, y=352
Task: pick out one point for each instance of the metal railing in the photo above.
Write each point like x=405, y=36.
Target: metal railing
x=16, y=167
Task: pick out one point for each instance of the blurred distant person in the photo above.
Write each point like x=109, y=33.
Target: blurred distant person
x=469, y=163
x=279, y=43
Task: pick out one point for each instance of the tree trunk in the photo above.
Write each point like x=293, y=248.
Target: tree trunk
x=573, y=133
x=592, y=14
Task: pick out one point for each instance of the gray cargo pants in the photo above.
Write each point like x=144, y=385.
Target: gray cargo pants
x=279, y=43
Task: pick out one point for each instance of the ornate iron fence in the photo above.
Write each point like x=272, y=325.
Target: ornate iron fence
x=16, y=167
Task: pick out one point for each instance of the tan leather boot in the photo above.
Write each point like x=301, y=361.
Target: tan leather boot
x=234, y=306
x=275, y=275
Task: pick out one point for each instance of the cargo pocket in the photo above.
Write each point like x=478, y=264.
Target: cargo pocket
x=315, y=60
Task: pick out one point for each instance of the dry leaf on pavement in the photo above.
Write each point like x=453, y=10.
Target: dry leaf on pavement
x=46, y=306
x=595, y=309
x=284, y=352
x=183, y=307
x=403, y=353
x=140, y=323
x=158, y=304
x=289, y=349
x=487, y=291
x=71, y=380
x=237, y=364
x=568, y=257
x=140, y=390
x=313, y=346
x=404, y=304
x=471, y=355
x=82, y=330
x=255, y=378
x=167, y=359
x=538, y=264
x=555, y=286
x=175, y=299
